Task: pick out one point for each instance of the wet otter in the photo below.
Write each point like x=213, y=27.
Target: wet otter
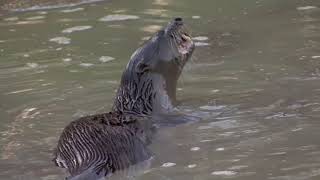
x=98, y=145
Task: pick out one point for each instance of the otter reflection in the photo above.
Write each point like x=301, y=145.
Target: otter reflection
x=99, y=145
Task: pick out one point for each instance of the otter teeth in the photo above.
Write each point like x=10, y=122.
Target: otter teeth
x=185, y=37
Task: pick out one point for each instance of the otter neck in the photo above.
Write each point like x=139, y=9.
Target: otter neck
x=146, y=94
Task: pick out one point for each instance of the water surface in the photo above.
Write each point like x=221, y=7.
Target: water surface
x=254, y=80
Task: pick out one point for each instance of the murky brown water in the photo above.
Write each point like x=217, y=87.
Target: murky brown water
x=254, y=80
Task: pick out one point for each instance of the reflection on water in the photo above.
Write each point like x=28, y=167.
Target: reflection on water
x=254, y=81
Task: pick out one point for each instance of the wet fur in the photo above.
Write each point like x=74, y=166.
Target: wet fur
x=99, y=145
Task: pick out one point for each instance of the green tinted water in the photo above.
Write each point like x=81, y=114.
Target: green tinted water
x=254, y=80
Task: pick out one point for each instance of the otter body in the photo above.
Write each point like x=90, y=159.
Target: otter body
x=98, y=145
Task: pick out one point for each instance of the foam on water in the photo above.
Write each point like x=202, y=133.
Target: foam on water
x=76, y=28
x=118, y=17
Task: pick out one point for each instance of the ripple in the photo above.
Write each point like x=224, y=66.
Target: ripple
x=155, y=12
x=168, y=164
x=59, y=5
x=76, y=28
x=86, y=64
x=151, y=28
x=19, y=91
x=33, y=65
x=72, y=10
x=35, y=18
x=195, y=149
x=192, y=166
x=42, y=12
x=200, y=44
x=281, y=115
x=11, y=19
x=238, y=167
x=195, y=17
x=277, y=153
x=29, y=22
x=303, y=8
x=224, y=173
x=212, y=108
x=220, y=149
x=105, y=59
x=66, y=59
x=200, y=38
x=118, y=17
x=61, y=40
x=226, y=124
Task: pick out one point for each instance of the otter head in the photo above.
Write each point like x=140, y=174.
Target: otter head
x=170, y=48
x=149, y=81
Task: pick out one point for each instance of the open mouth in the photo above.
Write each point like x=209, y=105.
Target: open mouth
x=180, y=37
x=185, y=43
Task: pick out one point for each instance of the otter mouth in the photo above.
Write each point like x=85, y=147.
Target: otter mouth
x=185, y=44
x=180, y=37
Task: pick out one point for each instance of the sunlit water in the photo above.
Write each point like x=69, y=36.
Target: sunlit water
x=254, y=80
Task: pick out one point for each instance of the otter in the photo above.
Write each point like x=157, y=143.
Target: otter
x=99, y=145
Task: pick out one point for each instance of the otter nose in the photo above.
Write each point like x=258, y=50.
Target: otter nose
x=178, y=21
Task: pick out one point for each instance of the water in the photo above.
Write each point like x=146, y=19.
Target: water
x=254, y=81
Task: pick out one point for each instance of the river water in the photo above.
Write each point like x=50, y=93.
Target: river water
x=254, y=80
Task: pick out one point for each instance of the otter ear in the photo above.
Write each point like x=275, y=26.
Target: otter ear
x=142, y=67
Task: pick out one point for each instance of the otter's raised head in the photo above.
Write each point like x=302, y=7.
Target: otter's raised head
x=149, y=81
